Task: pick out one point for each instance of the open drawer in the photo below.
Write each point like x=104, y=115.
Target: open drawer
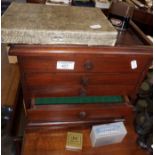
x=78, y=110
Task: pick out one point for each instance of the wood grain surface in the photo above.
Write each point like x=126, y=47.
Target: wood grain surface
x=52, y=142
x=9, y=79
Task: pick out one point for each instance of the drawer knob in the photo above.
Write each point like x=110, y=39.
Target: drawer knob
x=82, y=114
x=83, y=92
x=88, y=65
x=84, y=81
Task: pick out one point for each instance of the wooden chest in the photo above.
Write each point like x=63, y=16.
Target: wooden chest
x=82, y=72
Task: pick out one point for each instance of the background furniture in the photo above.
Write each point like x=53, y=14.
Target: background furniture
x=144, y=19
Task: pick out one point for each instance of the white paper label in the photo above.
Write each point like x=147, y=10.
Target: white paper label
x=68, y=65
x=133, y=64
x=97, y=26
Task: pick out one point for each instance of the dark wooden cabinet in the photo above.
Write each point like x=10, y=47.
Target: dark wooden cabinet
x=144, y=19
x=97, y=71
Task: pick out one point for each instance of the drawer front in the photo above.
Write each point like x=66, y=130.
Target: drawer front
x=70, y=79
x=84, y=63
x=82, y=112
x=78, y=90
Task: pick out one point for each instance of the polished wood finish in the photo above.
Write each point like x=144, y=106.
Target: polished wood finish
x=99, y=71
x=101, y=63
x=62, y=91
x=53, y=142
x=76, y=113
x=52, y=79
x=144, y=19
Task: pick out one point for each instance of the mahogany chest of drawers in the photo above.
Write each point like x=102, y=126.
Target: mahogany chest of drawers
x=82, y=72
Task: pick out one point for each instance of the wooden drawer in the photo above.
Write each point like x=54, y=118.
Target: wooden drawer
x=70, y=79
x=86, y=63
x=78, y=112
x=78, y=90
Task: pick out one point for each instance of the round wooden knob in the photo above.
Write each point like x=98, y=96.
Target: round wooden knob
x=88, y=65
x=82, y=114
x=84, y=81
x=83, y=92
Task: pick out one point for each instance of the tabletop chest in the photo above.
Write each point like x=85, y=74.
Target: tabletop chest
x=76, y=68
x=73, y=84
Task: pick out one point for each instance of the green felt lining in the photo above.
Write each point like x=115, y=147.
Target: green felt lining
x=80, y=100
